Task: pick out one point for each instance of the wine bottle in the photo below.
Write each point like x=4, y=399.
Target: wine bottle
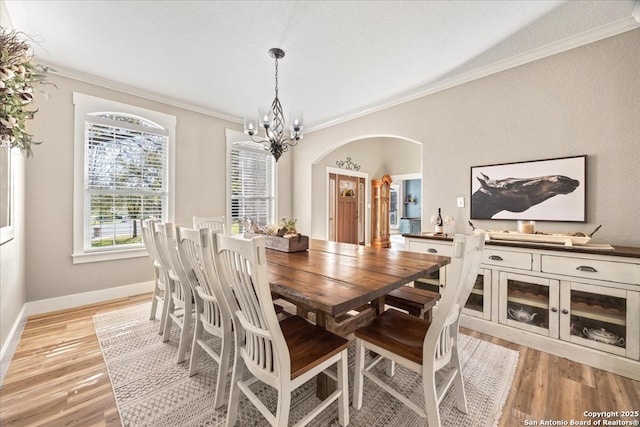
x=439, y=223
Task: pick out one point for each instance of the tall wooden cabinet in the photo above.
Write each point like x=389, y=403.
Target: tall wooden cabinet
x=380, y=201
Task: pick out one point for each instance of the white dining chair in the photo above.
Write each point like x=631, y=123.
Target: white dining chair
x=212, y=315
x=160, y=278
x=210, y=222
x=421, y=346
x=180, y=304
x=282, y=354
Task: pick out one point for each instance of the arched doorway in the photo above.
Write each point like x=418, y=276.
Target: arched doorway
x=375, y=156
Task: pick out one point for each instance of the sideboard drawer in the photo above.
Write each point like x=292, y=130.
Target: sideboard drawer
x=520, y=260
x=611, y=271
x=430, y=248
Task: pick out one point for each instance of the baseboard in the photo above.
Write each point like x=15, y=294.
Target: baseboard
x=76, y=300
x=62, y=303
x=10, y=345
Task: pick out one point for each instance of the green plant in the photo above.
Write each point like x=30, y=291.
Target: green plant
x=19, y=79
x=290, y=223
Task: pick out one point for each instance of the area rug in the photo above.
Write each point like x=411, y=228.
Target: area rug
x=151, y=389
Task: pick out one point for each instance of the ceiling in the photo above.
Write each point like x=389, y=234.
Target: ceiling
x=343, y=58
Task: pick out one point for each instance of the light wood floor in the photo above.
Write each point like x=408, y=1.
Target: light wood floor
x=58, y=378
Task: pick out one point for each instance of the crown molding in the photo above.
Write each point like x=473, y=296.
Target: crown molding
x=591, y=36
x=131, y=90
x=560, y=46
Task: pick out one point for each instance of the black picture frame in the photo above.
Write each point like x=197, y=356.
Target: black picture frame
x=539, y=190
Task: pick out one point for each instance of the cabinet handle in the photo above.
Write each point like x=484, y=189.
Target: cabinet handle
x=565, y=311
x=495, y=258
x=555, y=310
x=433, y=251
x=586, y=268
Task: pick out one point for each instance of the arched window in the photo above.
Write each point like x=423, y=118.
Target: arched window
x=125, y=174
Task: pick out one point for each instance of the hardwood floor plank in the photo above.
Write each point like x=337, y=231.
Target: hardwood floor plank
x=58, y=378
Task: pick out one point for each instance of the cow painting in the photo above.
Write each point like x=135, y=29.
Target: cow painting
x=517, y=194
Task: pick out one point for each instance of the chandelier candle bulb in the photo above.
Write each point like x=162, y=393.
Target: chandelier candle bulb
x=250, y=126
x=265, y=115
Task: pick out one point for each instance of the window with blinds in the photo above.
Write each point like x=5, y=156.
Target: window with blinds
x=126, y=161
x=252, y=181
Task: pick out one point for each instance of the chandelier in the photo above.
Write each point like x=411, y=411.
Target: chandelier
x=272, y=120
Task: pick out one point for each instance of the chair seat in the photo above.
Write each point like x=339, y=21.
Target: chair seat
x=308, y=344
x=397, y=332
x=418, y=302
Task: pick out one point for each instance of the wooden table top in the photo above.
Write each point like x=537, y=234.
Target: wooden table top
x=336, y=277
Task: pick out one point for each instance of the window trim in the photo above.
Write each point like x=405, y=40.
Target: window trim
x=84, y=104
x=231, y=137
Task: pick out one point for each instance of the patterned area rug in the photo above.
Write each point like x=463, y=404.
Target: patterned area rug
x=151, y=389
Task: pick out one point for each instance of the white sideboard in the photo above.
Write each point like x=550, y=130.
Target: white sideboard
x=574, y=302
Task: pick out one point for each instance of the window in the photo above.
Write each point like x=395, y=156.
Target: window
x=250, y=184
x=123, y=158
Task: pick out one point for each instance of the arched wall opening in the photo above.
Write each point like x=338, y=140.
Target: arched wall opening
x=373, y=155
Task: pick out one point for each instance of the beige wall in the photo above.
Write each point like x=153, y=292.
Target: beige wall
x=199, y=182
x=12, y=260
x=583, y=101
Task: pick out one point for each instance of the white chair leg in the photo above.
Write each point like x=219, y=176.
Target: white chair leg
x=234, y=396
x=458, y=382
x=431, y=400
x=223, y=371
x=154, y=303
x=358, y=378
x=195, y=347
x=390, y=369
x=184, y=333
x=165, y=309
x=167, y=320
x=343, y=384
x=284, y=406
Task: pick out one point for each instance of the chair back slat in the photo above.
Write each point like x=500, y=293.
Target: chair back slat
x=210, y=222
x=160, y=243
x=147, y=239
x=197, y=261
x=461, y=276
x=242, y=270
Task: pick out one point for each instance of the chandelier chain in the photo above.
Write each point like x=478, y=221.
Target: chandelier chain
x=276, y=77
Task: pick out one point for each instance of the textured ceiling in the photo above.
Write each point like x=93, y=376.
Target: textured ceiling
x=343, y=58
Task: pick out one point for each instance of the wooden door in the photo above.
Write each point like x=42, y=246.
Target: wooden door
x=346, y=207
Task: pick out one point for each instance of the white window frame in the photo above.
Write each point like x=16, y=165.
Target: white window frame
x=85, y=104
x=233, y=136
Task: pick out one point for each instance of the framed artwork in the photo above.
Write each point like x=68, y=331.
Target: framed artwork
x=540, y=190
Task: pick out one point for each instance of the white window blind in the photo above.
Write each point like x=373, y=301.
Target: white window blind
x=252, y=180
x=126, y=178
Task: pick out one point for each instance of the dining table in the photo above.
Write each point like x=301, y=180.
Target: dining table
x=344, y=284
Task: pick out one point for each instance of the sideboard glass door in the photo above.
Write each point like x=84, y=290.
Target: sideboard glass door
x=479, y=301
x=601, y=318
x=529, y=303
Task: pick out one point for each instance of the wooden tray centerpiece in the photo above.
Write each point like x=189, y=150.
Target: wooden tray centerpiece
x=284, y=239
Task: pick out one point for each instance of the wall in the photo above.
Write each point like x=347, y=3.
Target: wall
x=199, y=182
x=12, y=253
x=582, y=101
